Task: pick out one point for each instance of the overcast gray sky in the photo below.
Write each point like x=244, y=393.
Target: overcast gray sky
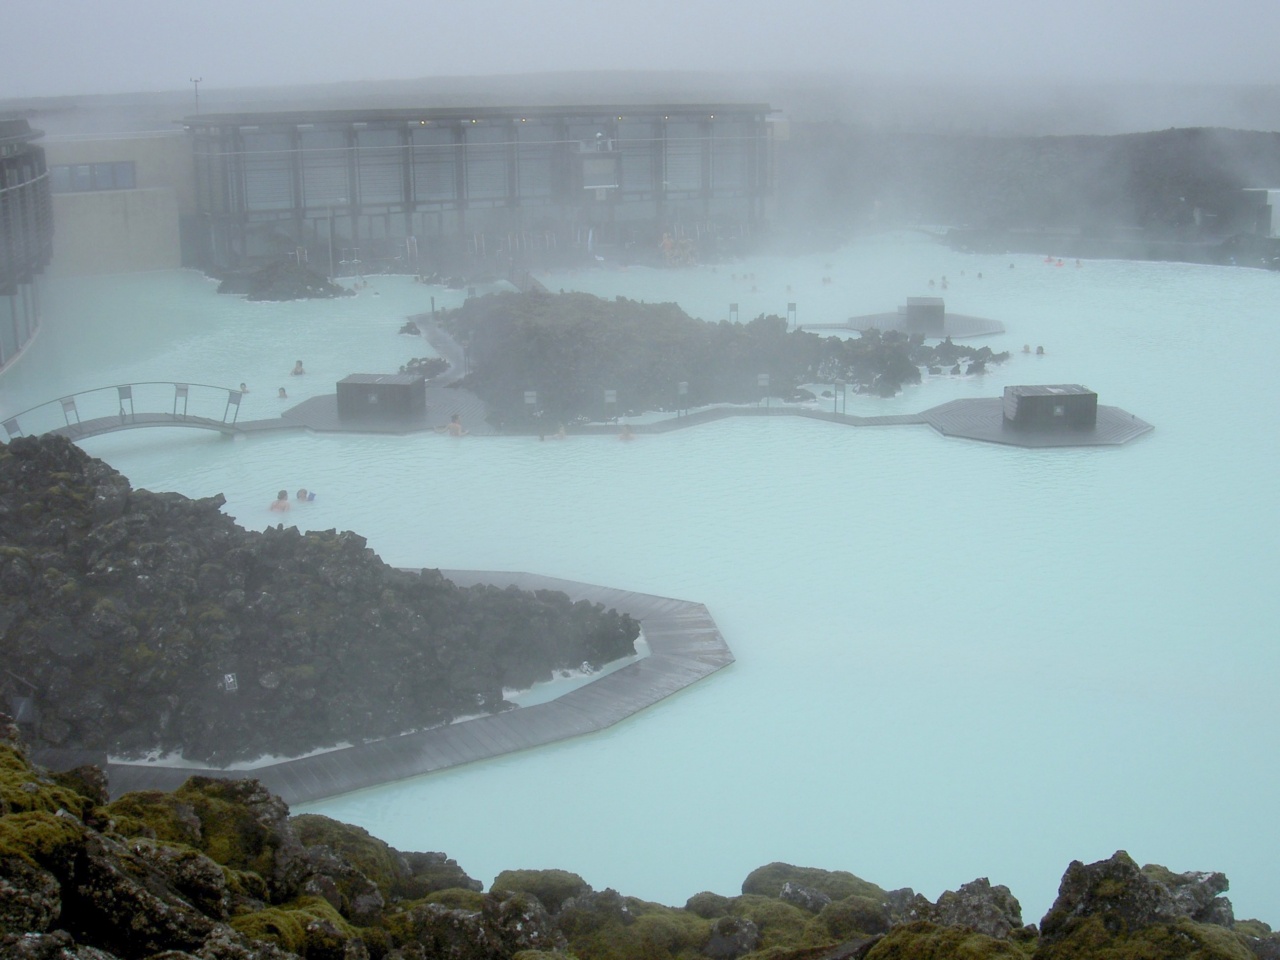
x=97, y=46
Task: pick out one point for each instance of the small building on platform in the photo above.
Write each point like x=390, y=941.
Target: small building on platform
x=925, y=315
x=922, y=316
x=1039, y=407
x=382, y=397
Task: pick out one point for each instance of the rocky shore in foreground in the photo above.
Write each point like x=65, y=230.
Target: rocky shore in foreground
x=133, y=622
x=219, y=870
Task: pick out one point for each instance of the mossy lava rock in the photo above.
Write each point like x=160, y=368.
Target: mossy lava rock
x=143, y=621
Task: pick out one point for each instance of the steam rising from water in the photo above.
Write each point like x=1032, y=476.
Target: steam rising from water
x=954, y=660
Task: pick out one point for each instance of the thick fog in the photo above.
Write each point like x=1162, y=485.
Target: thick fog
x=147, y=45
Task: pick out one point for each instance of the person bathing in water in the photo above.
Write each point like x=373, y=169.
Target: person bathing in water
x=453, y=428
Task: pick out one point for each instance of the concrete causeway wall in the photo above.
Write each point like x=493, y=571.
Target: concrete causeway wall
x=684, y=642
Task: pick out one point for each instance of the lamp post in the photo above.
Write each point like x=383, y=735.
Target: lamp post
x=332, y=275
x=682, y=394
x=196, y=81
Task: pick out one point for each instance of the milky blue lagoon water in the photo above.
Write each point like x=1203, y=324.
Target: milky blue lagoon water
x=954, y=659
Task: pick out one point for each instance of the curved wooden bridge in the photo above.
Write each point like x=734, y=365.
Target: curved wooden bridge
x=89, y=413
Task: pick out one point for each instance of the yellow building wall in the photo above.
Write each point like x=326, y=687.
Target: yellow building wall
x=122, y=231
x=115, y=231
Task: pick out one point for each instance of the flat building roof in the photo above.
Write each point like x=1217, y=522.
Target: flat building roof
x=617, y=110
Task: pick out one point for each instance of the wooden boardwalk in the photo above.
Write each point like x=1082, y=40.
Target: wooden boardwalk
x=978, y=418
x=957, y=326
x=971, y=418
x=685, y=646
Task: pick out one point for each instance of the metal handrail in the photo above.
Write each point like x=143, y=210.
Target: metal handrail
x=124, y=394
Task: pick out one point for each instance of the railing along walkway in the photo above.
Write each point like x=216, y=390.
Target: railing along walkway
x=163, y=403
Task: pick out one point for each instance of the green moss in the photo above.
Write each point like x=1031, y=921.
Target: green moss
x=780, y=924
x=656, y=932
x=768, y=881
x=293, y=926
x=152, y=814
x=1153, y=871
x=230, y=834
x=398, y=923
x=39, y=837
x=1110, y=888
x=371, y=856
x=456, y=899
x=22, y=790
x=670, y=933
x=1089, y=939
x=854, y=916
x=927, y=941
x=209, y=815
x=79, y=783
x=1252, y=928
x=551, y=887
x=818, y=952
x=708, y=905
x=245, y=886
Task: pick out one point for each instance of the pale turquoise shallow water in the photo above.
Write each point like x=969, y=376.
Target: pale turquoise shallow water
x=954, y=659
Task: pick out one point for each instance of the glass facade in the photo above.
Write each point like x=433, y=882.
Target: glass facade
x=403, y=190
x=26, y=234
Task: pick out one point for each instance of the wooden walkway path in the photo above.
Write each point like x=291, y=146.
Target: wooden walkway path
x=957, y=326
x=973, y=419
x=980, y=418
x=685, y=646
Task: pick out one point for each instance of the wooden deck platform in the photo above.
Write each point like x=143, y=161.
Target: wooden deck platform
x=973, y=418
x=957, y=326
x=321, y=415
x=685, y=646
x=982, y=418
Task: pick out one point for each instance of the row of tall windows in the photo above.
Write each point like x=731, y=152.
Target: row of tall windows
x=86, y=177
x=435, y=165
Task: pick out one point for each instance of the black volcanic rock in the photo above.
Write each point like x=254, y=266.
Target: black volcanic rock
x=144, y=621
x=576, y=347
x=282, y=280
x=218, y=870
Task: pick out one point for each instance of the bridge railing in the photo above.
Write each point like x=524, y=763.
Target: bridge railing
x=150, y=403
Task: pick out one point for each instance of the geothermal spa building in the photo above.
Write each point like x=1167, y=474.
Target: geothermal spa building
x=366, y=191
x=26, y=233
